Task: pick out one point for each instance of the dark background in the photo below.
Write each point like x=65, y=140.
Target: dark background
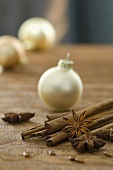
x=91, y=21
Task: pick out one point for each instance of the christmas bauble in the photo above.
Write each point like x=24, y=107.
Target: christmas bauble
x=37, y=33
x=60, y=87
x=11, y=51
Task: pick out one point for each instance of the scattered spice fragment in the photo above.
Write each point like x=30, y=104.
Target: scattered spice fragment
x=26, y=154
x=87, y=143
x=52, y=153
x=17, y=117
x=71, y=158
x=107, y=153
x=79, y=160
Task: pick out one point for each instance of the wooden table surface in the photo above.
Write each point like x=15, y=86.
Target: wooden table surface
x=18, y=92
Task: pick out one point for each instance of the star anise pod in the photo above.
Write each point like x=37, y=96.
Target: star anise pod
x=106, y=134
x=77, y=126
x=12, y=117
x=87, y=143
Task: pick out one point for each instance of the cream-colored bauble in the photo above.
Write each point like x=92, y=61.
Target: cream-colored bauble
x=11, y=51
x=60, y=87
x=37, y=33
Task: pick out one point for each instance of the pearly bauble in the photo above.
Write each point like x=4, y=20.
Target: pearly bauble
x=37, y=33
x=60, y=87
x=12, y=51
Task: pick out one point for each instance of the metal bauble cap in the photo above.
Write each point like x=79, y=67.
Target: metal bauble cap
x=66, y=63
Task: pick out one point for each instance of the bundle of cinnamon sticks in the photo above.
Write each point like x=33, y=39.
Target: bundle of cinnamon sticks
x=101, y=113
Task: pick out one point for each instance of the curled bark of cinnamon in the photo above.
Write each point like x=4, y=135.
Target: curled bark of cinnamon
x=56, y=115
x=27, y=134
x=51, y=136
x=39, y=134
x=52, y=128
x=108, y=126
x=59, y=137
x=101, y=122
x=59, y=123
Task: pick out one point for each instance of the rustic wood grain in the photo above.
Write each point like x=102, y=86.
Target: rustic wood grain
x=18, y=92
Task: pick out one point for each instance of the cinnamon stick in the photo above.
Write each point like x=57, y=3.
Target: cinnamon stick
x=108, y=126
x=61, y=136
x=59, y=123
x=27, y=134
x=56, y=115
x=39, y=134
x=101, y=122
x=52, y=117
x=51, y=136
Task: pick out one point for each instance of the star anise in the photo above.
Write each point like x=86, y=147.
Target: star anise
x=86, y=143
x=106, y=134
x=12, y=117
x=77, y=126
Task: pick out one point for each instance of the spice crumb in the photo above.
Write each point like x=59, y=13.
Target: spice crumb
x=52, y=153
x=26, y=154
x=109, y=154
x=71, y=158
x=79, y=160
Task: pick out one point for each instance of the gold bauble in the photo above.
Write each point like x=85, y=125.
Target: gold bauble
x=11, y=51
x=37, y=33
